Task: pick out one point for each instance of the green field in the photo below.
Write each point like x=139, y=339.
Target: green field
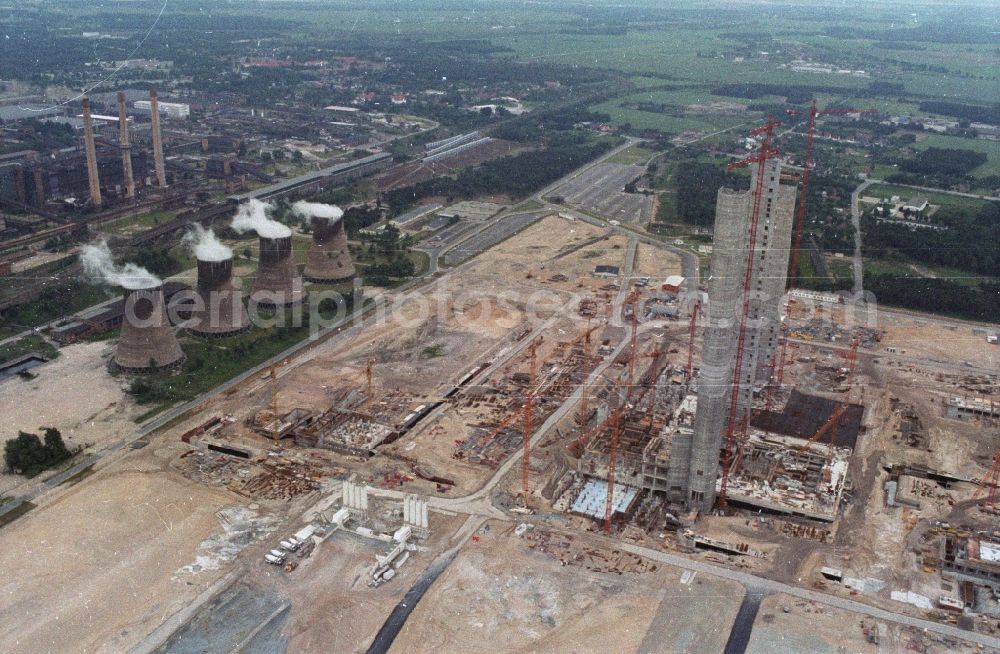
x=26, y=345
x=634, y=155
x=944, y=199
x=138, y=223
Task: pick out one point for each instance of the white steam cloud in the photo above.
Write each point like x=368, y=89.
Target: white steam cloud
x=317, y=211
x=206, y=245
x=252, y=217
x=98, y=265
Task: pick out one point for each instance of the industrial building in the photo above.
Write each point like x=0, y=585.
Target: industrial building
x=694, y=458
x=107, y=167
x=172, y=109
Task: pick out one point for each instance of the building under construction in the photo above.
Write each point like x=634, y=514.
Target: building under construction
x=694, y=457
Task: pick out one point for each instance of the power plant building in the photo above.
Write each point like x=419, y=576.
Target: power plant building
x=171, y=109
x=694, y=458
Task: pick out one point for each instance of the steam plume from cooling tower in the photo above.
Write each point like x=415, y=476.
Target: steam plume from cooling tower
x=317, y=211
x=206, y=245
x=98, y=265
x=252, y=216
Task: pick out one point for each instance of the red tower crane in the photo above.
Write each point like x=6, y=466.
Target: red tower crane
x=585, y=389
x=833, y=422
x=689, y=374
x=616, y=416
x=990, y=482
x=766, y=152
x=528, y=406
x=616, y=425
x=369, y=378
x=777, y=376
x=807, y=166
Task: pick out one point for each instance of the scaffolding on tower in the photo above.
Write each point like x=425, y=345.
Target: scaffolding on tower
x=766, y=152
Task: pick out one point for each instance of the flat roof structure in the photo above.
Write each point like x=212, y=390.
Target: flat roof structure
x=593, y=499
x=804, y=415
x=305, y=179
x=471, y=210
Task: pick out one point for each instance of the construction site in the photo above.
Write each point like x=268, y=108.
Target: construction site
x=570, y=436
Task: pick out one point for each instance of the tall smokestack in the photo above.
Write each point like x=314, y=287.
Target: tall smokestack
x=222, y=312
x=126, y=147
x=276, y=283
x=329, y=259
x=154, y=109
x=39, y=188
x=147, y=342
x=88, y=140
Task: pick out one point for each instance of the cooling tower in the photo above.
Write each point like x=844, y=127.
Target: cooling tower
x=276, y=283
x=147, y=342
x=329, y=259
x=221, y=311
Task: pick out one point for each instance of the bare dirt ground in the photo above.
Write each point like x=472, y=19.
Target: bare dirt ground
x=809, y=628
x=333, y=609
x=98, y=567
x=655, y=263
x=933, y=340
x=501, y=595
x=73, y=393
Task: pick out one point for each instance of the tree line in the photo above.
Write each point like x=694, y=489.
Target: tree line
x=968, y=244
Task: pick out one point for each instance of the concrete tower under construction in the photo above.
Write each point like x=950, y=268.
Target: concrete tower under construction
x=694, y=459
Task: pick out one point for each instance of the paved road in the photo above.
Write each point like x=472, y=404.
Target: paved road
x=770, y=586
x=931, y=189
x=739, y=635
x=394, y=623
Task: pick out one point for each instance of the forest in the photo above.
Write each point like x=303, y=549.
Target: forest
x=944, y=161
x=968, y=244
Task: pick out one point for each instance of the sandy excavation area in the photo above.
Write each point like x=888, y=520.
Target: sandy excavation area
x=73, y=393
x=655, y=263
x=955, y=343
x=810, y=628
x=332, y=607
x=101, y=565
x=499, y=595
